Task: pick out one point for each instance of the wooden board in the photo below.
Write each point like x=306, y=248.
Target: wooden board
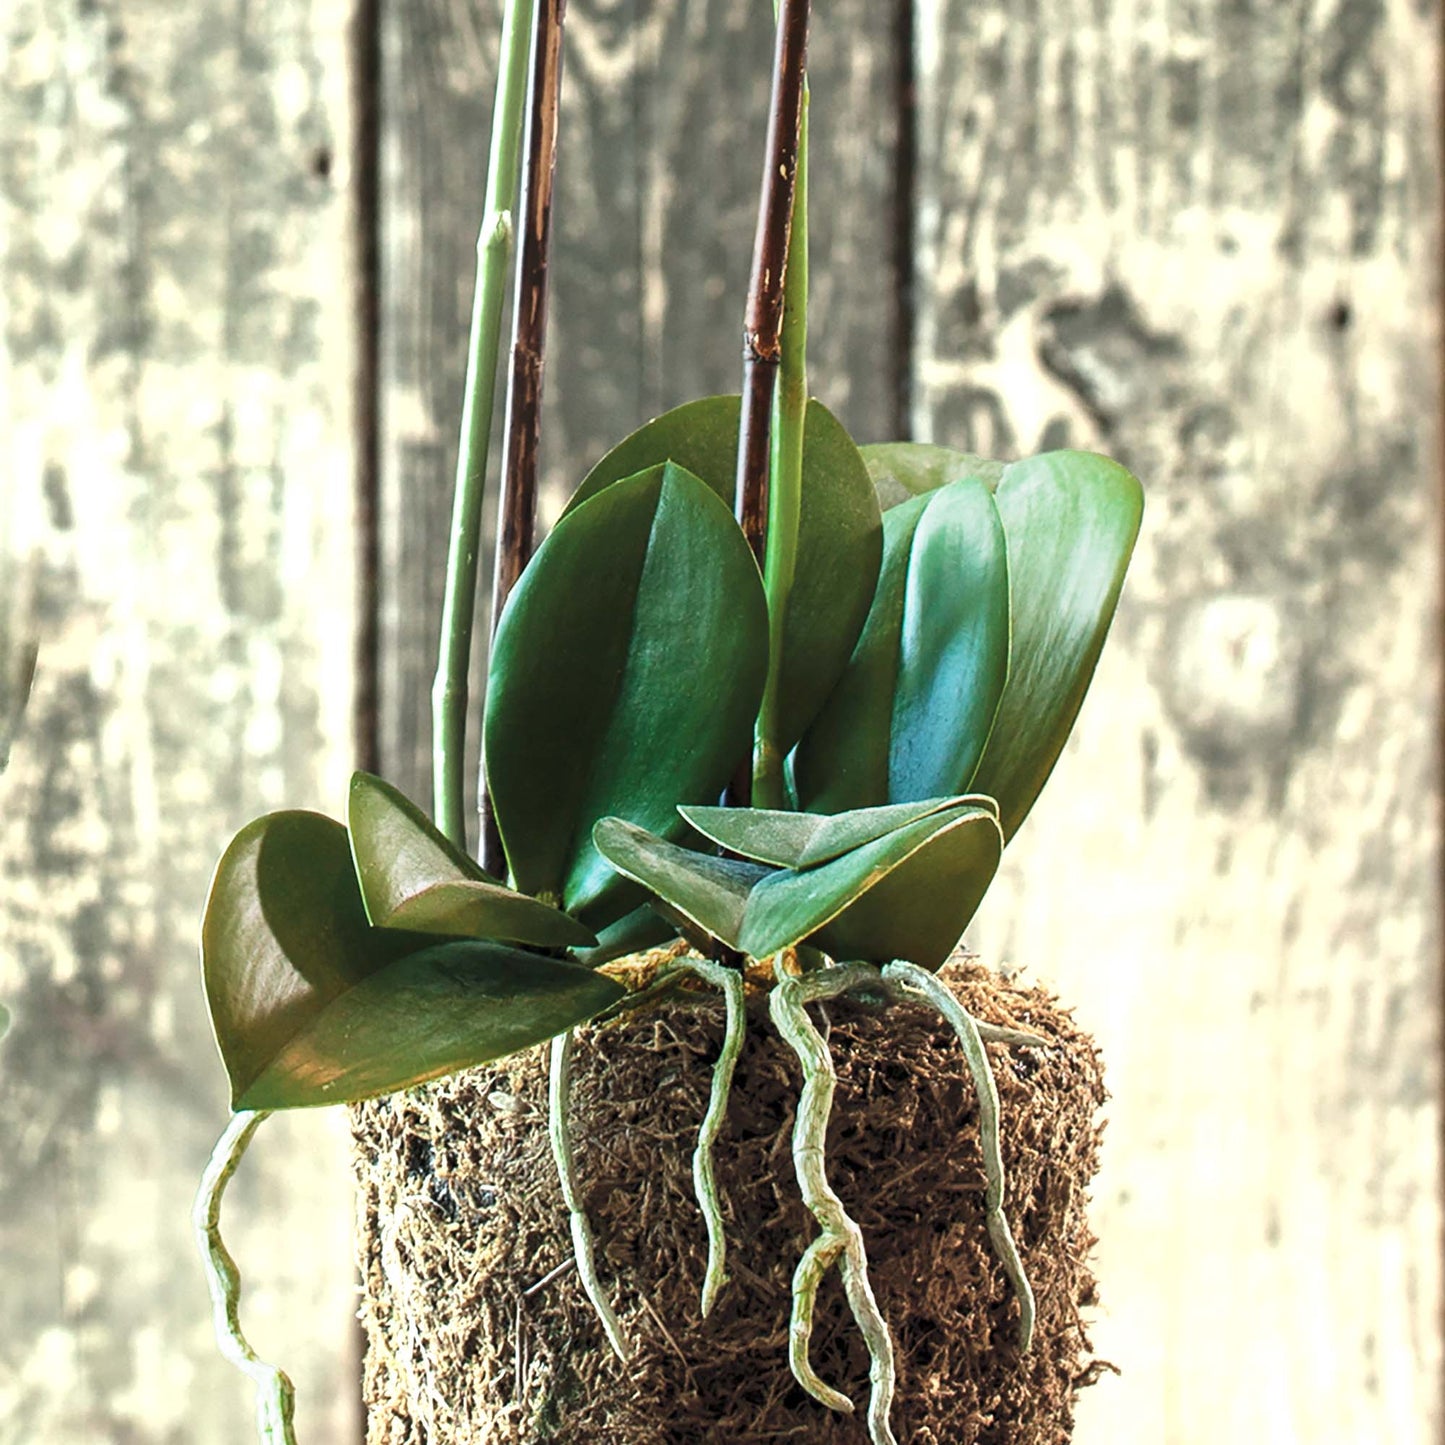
x=175, y=529
x=1205, y=238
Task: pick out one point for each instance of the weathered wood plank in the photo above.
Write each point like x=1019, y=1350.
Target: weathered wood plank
x=1204, y=237
x=657, y=180
x=173, y=437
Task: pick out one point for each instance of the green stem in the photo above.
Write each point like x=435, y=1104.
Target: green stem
x=494, y=254
x=910, y=981
x=785, y=482
x=841, y=1240
x=275, y=1395
x=559, y=1096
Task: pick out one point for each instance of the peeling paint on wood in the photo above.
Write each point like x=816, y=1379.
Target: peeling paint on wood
x=1204, y=238
x=174, y=521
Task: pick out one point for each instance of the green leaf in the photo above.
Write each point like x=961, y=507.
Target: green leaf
x=413, y=877
x=910, y=717
x=901, y=470
x=700, y=436
x=710, y=892
x=311, y=1005
x=625, y=678
x=803, y=840
x=839, y=534
x=1070, y=519
x=632, y=933
x=449, y=1007
x=908, y=894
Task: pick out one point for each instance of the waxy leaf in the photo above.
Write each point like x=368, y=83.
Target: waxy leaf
x=839, y=536
x=710, y=892
x=910, y=716
x=625, y=678
x=1070, y=519
x=804, y=840
x=901, y=470
x=908, y=894
x=311, y=1005
x=413, y=877
x=632, y=933
x=449, y=1007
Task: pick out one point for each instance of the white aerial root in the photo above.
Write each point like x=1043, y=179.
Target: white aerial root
x=275, y=1395
x=558, y=1096
x=907, y=980
x=841, y=1240
x=704, y=1175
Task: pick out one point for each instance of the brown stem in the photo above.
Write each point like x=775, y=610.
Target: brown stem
x=517, y=518
x=763, y=320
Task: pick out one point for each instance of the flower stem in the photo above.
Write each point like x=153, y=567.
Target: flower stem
x=785, y=484
x=517, y=515
x=763, y=320
x=494, y=254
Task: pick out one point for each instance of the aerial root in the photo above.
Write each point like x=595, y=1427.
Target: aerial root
x=275, y=1395
x=558, y=1096
x=841, y=1240
x=704, y=1175
x=907, y=980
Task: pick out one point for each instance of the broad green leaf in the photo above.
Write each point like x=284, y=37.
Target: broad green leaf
x=700, y=436
x=625, y=678
x=839, y=536
x=412, y=877
x=1070, y=519
x=932, y=875
x=312, y=1005
x=910, y=717
x=919, y=910
x=803, y=840
x=711, y=892
x=632, y=933
x=901, y=470
x=448, y=1007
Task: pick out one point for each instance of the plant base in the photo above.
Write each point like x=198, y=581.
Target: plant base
x=478, y=1330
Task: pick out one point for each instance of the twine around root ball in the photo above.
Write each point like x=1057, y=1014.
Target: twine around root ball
x=462, y=1220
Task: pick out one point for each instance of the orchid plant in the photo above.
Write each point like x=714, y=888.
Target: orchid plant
x=872, y=655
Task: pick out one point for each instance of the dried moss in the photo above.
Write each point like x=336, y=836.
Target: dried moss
x=461, y=1218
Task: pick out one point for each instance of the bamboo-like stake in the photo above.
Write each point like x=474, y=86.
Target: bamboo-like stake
x=517, y=518
x=763, y=319
x=494, y=255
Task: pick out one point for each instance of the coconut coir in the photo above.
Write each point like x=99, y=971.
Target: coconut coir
x=478, y=1330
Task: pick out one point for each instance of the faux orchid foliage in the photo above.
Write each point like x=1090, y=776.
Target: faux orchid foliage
x=311, y=1004
x=910, y=716
x=997, y=589
x=625, y=677
x=839, y=534
x=411, y=877
x=928, y=865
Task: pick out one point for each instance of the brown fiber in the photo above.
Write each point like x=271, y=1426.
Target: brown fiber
x=460, y=1218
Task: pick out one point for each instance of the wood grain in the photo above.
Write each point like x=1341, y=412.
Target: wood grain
x=175, y=520
x=1204, y=237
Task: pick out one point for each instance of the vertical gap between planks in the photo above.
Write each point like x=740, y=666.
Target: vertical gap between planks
x=364, y=96
x=905, y=200
x=364, y=64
